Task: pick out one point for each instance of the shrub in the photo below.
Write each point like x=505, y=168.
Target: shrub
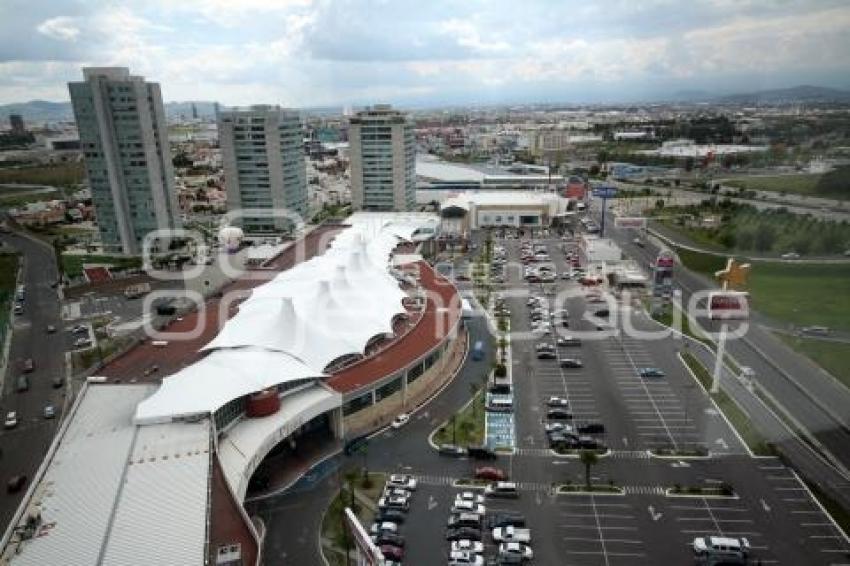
x=500, y=371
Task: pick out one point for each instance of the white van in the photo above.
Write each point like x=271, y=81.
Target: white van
x=722, y=549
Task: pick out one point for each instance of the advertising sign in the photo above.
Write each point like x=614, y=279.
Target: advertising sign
x=630, y=222
x=662, y=274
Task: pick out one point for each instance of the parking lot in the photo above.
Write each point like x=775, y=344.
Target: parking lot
x=644, y=523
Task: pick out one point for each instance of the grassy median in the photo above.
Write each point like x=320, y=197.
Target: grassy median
x=466, y=428
x=739, y=419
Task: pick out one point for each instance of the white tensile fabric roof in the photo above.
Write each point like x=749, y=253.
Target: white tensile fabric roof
x=296, y=324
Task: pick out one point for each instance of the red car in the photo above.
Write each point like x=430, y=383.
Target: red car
x=489, y=473
x=392, y=552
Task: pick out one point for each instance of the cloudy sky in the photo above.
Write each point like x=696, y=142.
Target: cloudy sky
x=321, y=52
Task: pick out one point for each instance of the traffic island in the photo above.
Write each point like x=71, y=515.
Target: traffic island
x=721, y=491
x=576, y=452
x=471, y=483
x=359, y=492
x=570, y=488
x=695, y=453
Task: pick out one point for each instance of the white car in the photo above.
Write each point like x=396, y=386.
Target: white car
x=790, y=255
x=394, y=502
x=385, y=526
x=467, y=507
x=390, y=491
x=11, y=420
x=403, y=481
x=400, y=420
x=464, y=557
x=557, y=402
x=466, y=545
x=516, y=549
x=469, y=496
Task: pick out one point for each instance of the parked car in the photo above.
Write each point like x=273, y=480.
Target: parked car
x=383, y=526
x=50, y=329
x=386, y=537
x=49, y=412
x=590, y=428
x=511, y=534
x=11, y=420
x=469, y=496
x=559, y=415
x=558, y=427
x=458, y=520
x=466, y=545
x=462, y=506
x=506, y=519
x=481, y=453
x=452, y=450
x=403, y=481
x=490, y=473
x=57, y=382
x=546, y=355
x=82, y=343
x=23, y=384
x=392, y=552
x=15, y=483
x=80, y=329
x=571, y=363
x=516, y=549
x=28, y=366
x=557, y=402
x=400, y=420
x=588, y=443
x=650, y=372
x=503, y=489
x=394, y=502
x=464, y=558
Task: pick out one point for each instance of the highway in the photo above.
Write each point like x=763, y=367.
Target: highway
x=24, y=447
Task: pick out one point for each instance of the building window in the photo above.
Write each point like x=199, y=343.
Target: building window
x=415, y=372
x=388, y=389
x=357, y=404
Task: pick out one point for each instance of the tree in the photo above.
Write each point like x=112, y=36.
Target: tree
x=659, y=204
x=589, y=459
x=764, y=237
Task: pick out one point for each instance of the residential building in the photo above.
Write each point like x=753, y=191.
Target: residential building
x=124, y=140
x=383, y=160
x=264, y=169
x=16, y=123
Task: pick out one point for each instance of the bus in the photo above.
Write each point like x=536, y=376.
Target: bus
x=478, y=351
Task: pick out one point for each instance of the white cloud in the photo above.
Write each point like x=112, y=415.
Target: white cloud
x=465, y=34
x=62, y=28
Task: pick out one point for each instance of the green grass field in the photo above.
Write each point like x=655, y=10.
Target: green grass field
x=803, y=184
x=62, y=175
x=73, y=264
x=834, y=357
x=798, y=293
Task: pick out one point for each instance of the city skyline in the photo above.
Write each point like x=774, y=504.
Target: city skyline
x=304, y=53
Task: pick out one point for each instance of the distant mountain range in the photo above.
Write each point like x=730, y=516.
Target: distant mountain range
x=793, y=95
x=44, y=111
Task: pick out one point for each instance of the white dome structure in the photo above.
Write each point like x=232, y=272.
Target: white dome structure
x=230, y=238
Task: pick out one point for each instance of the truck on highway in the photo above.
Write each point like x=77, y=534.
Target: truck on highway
x=511, y=534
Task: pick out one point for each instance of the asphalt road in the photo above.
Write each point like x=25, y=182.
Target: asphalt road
x=23, y=447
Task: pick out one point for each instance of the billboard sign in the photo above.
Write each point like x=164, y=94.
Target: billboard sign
x=662, y=274
x=605, y=192
x=630, y=222
x=367, y=553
